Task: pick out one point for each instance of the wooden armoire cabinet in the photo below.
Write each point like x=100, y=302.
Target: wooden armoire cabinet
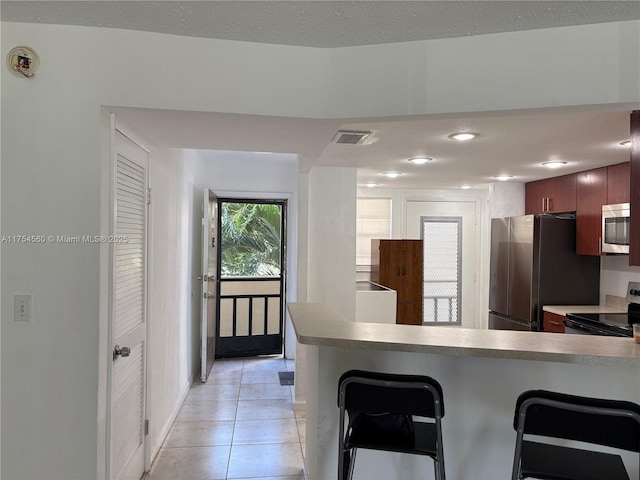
x=397, y=264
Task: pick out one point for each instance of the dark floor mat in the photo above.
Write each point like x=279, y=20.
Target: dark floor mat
x=286, y=378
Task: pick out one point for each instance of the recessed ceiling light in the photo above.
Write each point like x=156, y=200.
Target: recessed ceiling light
x=503, y=178
x=463, y=136
x=391, y=174
x=555, y=164
x=626, y=143
x=465, y=187
x=420, y=160
x=371, y=185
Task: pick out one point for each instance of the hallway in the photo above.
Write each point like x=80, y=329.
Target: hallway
x=239, y=425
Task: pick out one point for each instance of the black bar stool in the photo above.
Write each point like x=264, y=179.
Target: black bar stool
x=612, y=423
x=380, y=408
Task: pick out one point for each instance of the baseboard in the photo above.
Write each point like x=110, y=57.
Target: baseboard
x=299, y=405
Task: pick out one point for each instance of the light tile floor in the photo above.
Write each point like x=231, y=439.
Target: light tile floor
x=238, y=425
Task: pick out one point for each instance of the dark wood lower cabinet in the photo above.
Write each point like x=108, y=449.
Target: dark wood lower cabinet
x=552, y=322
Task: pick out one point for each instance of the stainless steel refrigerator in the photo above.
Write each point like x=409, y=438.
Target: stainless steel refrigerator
x=533, y=264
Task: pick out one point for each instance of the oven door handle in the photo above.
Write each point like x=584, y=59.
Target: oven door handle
x=588, y=330
x=573, y=324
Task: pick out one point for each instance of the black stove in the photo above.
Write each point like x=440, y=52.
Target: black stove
x=609, y=324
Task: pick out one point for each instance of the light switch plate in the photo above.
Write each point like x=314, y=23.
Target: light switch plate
x=22, y=308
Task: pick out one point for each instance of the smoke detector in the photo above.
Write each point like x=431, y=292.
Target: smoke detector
x=23, y=61
x=350, y=137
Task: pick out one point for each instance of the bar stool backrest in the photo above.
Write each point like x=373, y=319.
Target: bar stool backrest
x=369, y=392
x=613, y=423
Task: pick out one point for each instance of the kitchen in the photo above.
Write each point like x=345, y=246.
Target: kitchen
x=490, y=367
x=491, y=74
x=613, y=289
x=588, y=190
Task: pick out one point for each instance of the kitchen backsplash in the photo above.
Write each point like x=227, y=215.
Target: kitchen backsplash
x=615, y=274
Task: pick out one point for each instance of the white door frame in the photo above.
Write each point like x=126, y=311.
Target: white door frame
x=480, y=264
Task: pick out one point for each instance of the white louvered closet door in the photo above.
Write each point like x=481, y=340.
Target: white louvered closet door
x=128, y=320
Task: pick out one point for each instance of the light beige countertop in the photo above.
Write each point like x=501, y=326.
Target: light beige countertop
x=564, y=309
x=319, y=324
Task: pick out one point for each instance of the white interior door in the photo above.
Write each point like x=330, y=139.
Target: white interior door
x=467, y=212
x=209, y=283
x=128, y=311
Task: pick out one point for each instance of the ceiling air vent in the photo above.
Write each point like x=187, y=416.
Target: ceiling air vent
x=350, y=137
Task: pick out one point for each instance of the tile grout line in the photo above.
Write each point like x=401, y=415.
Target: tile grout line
x=235, y=428
x=235, y=419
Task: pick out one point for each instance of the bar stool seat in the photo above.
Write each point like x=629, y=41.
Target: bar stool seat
x=423, y=442
x=544, y=461
x=611, y=423
x=381, y=409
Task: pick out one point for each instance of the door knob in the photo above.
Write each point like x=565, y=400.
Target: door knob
x=200, y=277
x=120, y=352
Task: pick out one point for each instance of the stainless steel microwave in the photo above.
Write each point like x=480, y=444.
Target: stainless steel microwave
x=615, y=228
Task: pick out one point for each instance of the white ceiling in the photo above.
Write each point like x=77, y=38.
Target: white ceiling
x=515, y=142
x=322, y=23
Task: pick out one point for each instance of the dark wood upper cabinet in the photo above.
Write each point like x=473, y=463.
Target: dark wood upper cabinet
x=552, y=195
x=585, y=193
x=634, y=228
x=534, y=197
x=618, y=183
x=591, y=195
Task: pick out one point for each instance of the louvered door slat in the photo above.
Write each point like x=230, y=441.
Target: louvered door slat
x=131, y=186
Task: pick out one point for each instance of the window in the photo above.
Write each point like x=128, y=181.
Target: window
x=442, y=269
x=251, y=240
x=373, y=217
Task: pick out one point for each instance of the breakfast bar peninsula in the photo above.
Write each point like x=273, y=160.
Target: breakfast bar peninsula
x=482, y=372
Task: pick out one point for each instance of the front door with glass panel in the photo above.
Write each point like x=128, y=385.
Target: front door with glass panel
x=251, y=273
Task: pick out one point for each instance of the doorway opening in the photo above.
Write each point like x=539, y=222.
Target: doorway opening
x=251, y=272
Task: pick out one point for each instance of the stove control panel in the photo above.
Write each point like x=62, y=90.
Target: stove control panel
x=633, y=292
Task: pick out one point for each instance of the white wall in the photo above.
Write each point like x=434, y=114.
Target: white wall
x=328, y=257
x=52, y=178
x=615, y=274
x=506, y=199
x=556, y=66
x=174, y=232
x=331, y=257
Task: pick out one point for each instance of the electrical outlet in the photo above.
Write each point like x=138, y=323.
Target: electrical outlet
x=22, y=308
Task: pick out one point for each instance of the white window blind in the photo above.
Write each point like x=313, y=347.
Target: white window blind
x=373, y=221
